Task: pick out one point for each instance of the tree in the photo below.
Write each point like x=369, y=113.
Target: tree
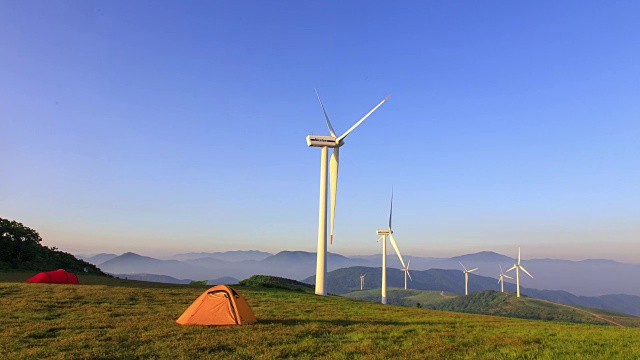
x=20, y=248
x=18, y=243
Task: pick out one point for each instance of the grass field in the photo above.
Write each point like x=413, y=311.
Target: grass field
x=111, y=318
x=400, y=296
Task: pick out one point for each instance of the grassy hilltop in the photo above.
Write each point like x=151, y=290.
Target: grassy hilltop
x=491, y=302
x=106, y=318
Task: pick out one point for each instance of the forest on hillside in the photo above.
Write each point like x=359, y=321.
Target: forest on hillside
x=21, y=249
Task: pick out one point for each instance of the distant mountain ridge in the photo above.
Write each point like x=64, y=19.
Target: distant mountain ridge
x=238, y=255
x=483, y=256
x=591, y=277
x=171, y=280
x=96, y=259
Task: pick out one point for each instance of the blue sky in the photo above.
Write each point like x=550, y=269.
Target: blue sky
x=162, y=127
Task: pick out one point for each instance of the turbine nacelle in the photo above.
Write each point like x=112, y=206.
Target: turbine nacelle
x=384, y=232
x=323, y=140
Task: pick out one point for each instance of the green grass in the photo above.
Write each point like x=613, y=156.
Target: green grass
x=498, y=304
x=106, y=318
x=400, y=296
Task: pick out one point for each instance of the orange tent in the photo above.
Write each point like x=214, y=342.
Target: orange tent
x=56, y=277
x=220, y=305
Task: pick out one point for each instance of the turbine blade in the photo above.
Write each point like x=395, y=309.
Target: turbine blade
x=408, y=264
x=380, y=238
x=333, y=184
x=391, y=209
x=525, y=270
x=361, y=120
x=513, y=267
x=518, y=255
x=500, y=269
x=473, y=270
x=507, y=276
x=326, y=116
x=501, y=279
x=465, y=269
x=395, y=247
x=408, y=273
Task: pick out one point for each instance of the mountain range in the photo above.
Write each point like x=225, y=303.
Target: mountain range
x=594, y=277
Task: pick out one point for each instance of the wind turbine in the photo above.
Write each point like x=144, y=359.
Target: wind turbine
x=326, y=142
x=406, y=272
x=362, y=280
x=502, y=276
x=466, y=278
x=519, y=267
x=383, y=237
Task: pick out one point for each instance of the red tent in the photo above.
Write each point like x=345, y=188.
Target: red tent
x=56, y=277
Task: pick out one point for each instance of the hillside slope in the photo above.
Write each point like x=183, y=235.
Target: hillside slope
x=347, y=280
x=491, y=302
x=123, y=319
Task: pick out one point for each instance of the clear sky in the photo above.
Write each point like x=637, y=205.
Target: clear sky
x=169, y=126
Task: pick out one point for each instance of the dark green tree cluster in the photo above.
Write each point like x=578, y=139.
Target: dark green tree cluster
x=20, y=248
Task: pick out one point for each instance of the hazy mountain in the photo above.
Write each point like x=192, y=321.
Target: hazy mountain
x=347, y=280
x=171, y=280
x=593, y=277
x=153, y=278
x=96, y=259
x=131, y=263
x=224, y=256
x=483, y=256
x=587, y=277
x=300, y=264
x=289, y=264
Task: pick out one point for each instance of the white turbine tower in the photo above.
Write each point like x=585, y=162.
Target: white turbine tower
x=406, y=273
x=502, y=276
x=383, y=237
x=519, y=267
x=466, y=278
x=362, y=280
x=326, y=142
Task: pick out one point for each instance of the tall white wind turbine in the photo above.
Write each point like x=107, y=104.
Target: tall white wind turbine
x=466, y=278
x=519, y=267
x=362, y=280
x=502, y=276
x=383, y=237
x=326, y=142
x=406, y=273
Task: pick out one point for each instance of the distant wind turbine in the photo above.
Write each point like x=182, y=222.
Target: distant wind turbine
x=519, y=267
x=406, y=273
x=466, y=278
x=385, y=233
x=325, y=142
x=362, y=280
x=502, y=276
